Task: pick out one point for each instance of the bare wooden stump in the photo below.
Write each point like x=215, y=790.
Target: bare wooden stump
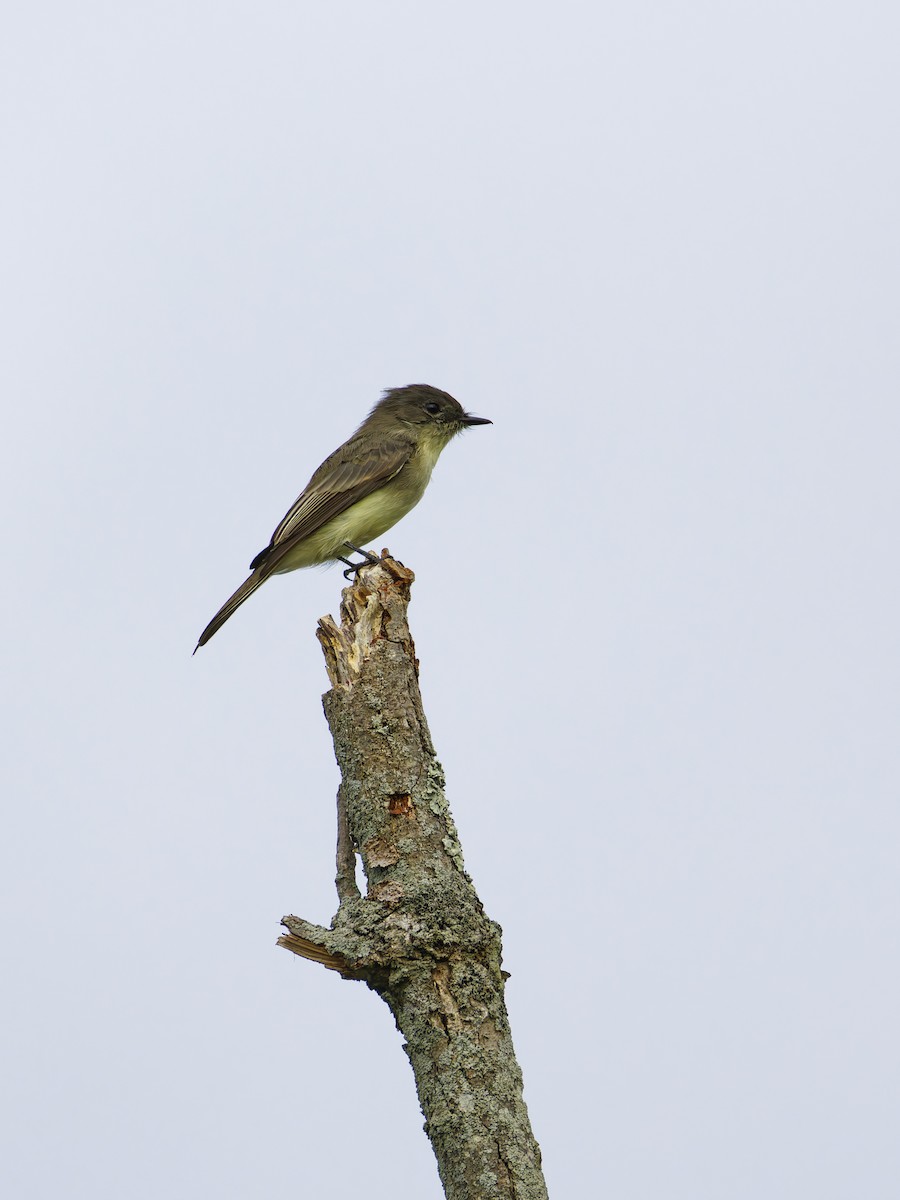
x=419, y=937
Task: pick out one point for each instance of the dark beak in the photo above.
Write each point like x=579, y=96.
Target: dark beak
x=470, y=420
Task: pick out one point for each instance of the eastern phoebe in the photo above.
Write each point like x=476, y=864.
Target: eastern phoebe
x=361, y=490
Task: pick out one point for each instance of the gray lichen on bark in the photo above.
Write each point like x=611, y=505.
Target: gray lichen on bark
x=419, y=937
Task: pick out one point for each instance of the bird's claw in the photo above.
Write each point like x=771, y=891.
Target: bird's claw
x=369, y=560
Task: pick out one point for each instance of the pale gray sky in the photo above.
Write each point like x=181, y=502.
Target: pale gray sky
x=656, y=604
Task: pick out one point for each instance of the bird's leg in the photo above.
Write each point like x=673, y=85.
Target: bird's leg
x=370, y=558
x=352, y=568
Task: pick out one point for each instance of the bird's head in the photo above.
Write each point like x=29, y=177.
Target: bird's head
x=425, y=409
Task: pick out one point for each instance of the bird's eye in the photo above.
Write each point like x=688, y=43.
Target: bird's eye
x=432, y=408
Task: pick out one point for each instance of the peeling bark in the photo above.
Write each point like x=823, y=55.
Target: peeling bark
x=420, y=937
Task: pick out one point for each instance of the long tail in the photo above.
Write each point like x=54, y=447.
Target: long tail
x=247, y=588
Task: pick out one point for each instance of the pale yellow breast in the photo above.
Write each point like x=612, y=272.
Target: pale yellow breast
x=369, y=518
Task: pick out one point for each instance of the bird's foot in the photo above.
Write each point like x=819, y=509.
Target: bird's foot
x=369, y=560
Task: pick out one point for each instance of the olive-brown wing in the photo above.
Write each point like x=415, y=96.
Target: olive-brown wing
x=338, y=484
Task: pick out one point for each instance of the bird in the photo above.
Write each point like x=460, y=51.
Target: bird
x=361, y=490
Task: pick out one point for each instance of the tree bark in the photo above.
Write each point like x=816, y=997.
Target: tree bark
x=419, y=937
